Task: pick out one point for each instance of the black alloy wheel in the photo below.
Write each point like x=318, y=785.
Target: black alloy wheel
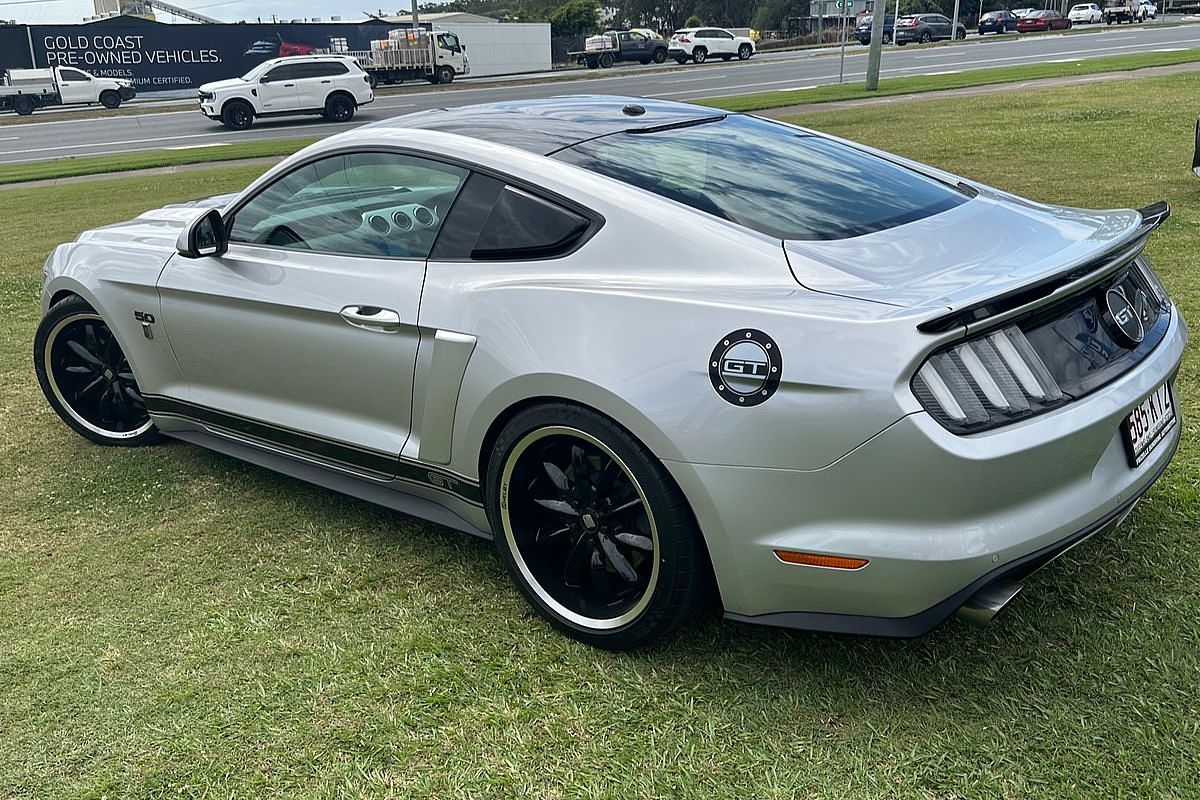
x=594, y=532
x=339, y=108
x=87, y=378
x=237, y=115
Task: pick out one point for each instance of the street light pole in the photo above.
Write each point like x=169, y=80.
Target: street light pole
x=875, y=54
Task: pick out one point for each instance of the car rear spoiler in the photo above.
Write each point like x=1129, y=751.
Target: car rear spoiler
x=1196, y=157
x=1152, y=215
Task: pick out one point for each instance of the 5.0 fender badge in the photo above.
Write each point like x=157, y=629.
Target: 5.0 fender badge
x=745, y=367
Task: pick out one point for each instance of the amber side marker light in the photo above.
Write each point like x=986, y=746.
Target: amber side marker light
x=816, y=560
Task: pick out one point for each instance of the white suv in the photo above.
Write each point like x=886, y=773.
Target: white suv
x=698, y=44
x=334, y=86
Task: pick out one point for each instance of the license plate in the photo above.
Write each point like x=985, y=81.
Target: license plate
x=1148, y=424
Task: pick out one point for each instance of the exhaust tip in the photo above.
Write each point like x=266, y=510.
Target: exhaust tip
x=987, y=604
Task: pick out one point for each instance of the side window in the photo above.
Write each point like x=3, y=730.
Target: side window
x=284, y=72
x=73, y=75
x=522, y=225
x=357, y=204
x=321, y=69
x=724, y=35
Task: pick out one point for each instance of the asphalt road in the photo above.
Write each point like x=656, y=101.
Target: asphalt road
x=37, y=141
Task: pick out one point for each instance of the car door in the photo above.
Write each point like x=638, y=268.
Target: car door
x=316, y=81
x=277, y=89
x=75, y=86
x=303, y=335
x=939, y=26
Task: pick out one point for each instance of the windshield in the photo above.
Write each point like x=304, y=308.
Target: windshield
x=258, y=71
x=769, y=177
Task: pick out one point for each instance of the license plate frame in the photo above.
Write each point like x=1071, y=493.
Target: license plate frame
x=1148, y=423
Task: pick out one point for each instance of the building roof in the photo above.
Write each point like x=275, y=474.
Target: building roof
x=549, y=125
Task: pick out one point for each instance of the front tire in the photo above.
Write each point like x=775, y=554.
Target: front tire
x=660, y=55
x=237, y=115
x=744, y=52
x=87, y=378
x=339, y=108
x=110, y=99
x=593, y=530
x=445, y=74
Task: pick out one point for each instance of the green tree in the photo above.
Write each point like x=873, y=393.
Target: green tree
x=575, y=18
x=693, y=22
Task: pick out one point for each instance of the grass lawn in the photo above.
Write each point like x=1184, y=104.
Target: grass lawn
x=853, y=90
x=177, y=623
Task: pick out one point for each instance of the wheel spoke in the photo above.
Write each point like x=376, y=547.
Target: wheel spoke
x=557, y=476
x=133, y=395
x=577, y=561
x=81, y=351
x=80, y=370
x=626, y=506
x=608, y=477
x=558, y=506
x=635, y=540
x=90, y=389
x=581, y=474
x=617, y=560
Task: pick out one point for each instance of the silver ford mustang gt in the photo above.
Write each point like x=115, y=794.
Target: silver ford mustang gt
x=648, y=346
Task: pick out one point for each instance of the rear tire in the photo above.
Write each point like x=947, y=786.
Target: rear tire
x=237, y=115
x=614, y=559
x=699, y=55
x=87, y=378
x=339, y=108
x=606, y=60
x=926, y=37
x=24, y=106
x=110, y=99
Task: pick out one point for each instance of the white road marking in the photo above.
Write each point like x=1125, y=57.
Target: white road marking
x=197, y=146
x=947, y=72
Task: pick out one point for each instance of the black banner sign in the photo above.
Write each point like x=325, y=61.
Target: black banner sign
x=159, y=57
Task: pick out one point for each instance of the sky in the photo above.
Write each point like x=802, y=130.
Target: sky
x=64, y=11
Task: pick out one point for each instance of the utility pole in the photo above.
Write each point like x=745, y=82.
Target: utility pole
x=416, y=23
x=953, y=26
x=875, y=54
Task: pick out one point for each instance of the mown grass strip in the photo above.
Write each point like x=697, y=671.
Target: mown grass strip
x=961, y=80
x=98, y=165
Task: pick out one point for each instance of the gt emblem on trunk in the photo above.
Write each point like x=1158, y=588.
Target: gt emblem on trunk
x=745, y=367
x=1125, y=317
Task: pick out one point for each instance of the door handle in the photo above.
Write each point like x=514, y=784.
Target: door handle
x=372, y=318
x=288, y=85
x=326, y=81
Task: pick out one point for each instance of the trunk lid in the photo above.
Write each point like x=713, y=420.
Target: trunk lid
x=982, y=248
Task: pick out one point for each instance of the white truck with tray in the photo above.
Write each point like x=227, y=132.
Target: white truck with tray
x=414, y=54
x=26, y=90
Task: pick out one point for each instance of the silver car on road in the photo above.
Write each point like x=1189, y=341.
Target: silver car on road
x=654, y=350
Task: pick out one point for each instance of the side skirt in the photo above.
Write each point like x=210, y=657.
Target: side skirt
x=389, y=494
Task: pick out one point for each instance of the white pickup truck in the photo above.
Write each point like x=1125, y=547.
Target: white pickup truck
x=25, y=90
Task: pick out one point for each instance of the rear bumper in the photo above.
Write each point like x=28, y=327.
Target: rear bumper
x=936, y=515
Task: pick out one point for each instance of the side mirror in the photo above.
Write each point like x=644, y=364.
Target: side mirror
x=204, y=236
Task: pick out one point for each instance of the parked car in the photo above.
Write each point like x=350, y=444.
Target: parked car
x=925, y=28
x=1149, y=10
x=1085, y=13
x=1043, y=21
x=998, y=22
x=700, y=44
x=1118, y=11
x=606, y=49
x=862, y=31
x=332, y=86
x=26, y=90
x=400, y=314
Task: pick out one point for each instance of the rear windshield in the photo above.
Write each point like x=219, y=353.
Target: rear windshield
x=768, y=177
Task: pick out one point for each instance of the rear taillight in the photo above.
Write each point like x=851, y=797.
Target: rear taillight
x=986, y=382
x=685, y=40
